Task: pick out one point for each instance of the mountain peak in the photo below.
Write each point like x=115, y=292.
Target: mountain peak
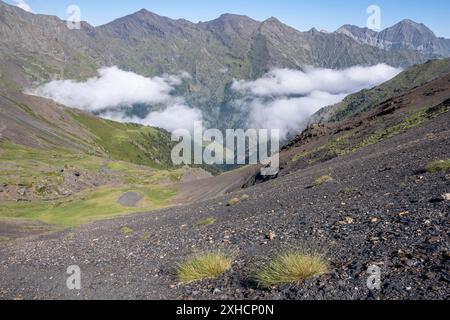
x=407, y=25
x=272, y=20
x=233, y=19
x=410, y=22
x=405, y=35
x=145, y=13
x=232, y=16
x=242, y=25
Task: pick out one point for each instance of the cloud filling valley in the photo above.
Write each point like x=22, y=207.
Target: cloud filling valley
x=282, y=99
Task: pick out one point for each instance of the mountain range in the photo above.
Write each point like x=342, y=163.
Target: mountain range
x=364, y=185
x=37, y=48
x=407, y=34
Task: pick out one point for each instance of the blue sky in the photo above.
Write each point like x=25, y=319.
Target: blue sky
x=300, y=14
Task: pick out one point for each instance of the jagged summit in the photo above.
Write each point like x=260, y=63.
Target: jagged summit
x=406, y=35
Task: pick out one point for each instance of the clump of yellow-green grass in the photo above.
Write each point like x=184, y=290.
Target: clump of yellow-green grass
x=233, y=201
x=322, y=180
x=202, y=267
x=126, y=230
x=438, y=166
x=291, y=267
x=206, y=222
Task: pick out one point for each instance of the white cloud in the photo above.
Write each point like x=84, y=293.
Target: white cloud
x=174, y=117
x=114, y=89
x=22, y=4
x=284, y=99
x=289, y=114
x=288, y=82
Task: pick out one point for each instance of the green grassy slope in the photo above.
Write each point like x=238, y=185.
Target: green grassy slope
x=364, y=100
x=67, y=167
x=129, y=142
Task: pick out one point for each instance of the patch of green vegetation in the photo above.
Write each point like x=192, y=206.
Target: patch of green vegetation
x=70, y=236
x=298, y=156
x=347, y=191
x=438, y=166
x=39, y=169
x=202, y=267
x=206, y=222
x=87, y=206
x=233, y=201
x=129, y=142
x=412, y=121
x=245, y=197
x=322, y=180
x=342, y=146
x=145, y=237
x=126, y=230
x=4, y=239
x=291, y=268
x=141, y=175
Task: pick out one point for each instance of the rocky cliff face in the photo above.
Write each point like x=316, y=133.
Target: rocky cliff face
x=405, y=35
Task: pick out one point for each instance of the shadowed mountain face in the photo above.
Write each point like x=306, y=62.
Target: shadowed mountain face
x=406, y=34
x=37, y=48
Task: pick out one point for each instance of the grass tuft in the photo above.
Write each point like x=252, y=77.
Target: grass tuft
x=201, y=267
x=245, y=197
x=324, y=179
x=291, y=268
x=438, y=166
x=126, y=230
x=206, y=222
x=232, y=202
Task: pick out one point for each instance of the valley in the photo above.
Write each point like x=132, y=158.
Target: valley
x=363, y=184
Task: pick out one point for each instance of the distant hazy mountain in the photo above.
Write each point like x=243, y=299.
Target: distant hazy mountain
x=406, y=34
x=37, y=48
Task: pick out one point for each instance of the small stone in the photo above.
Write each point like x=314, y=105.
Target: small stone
x=446, y=196
x=403, y=214
x=349, y=220
x=22, y=191
x=374, y=220
x=271, y=236
x=217, y=291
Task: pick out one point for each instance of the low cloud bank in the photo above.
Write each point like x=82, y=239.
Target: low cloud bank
x=284, y=99
x=114, y=90
x=172, y=118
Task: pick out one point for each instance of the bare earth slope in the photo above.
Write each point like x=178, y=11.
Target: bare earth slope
x=381, y=208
